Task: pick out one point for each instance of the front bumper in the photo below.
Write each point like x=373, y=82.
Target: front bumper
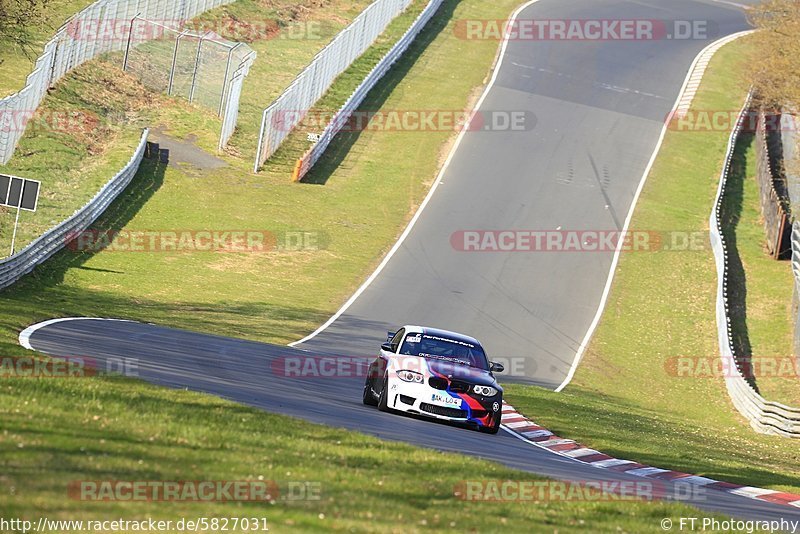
x=443, y=404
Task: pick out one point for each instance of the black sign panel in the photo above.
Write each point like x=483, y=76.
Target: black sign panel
x=15, y=192
x=4, y=182
x=19, y=192
x=30, y=195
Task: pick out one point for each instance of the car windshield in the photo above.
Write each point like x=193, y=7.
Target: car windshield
x=443, y=348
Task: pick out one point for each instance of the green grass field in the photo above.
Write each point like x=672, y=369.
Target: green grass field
x=621, y=402
x=59, y=431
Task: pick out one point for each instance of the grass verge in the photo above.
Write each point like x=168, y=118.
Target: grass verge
x=625, y=400
x=61, y=431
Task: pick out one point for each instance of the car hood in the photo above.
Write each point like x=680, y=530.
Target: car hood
x=465, y=373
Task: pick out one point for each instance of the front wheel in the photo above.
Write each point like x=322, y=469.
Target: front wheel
x=369, y=398
x=494, y=429
x=383, y=403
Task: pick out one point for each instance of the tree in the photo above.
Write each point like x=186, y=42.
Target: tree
x=776, y=65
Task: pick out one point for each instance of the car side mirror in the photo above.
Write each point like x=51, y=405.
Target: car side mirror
x=496, y=367
x=387, y=347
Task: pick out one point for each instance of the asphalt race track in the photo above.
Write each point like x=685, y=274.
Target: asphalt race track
x=599, y=110
x=255, y=374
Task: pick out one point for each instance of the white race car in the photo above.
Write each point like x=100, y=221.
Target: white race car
x=437, y=374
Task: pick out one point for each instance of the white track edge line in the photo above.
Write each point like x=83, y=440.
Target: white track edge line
x=436, y=182
x=25, y=335
x=617, y=252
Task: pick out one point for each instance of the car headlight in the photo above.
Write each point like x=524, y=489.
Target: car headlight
x=486, y=391
x=410, y=376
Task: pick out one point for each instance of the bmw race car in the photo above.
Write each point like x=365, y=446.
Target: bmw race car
x=438, y=374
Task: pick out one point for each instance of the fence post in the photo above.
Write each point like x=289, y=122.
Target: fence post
x=225, y=79
x=260, y=140
x=174, y=61
x=128, y=46
x=196, y=66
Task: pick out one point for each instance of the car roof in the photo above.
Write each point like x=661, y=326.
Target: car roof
x=443, y=333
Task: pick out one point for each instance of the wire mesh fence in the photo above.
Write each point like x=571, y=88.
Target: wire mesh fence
x=202, y=68
x=291, y=106
x=97, y=29
x=341, y=118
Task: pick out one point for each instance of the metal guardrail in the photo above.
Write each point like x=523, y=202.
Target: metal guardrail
x=280, y=118
x=97, y=29
x=341, y=117
x=43, y=247
x=764, y=416
x=795, y=259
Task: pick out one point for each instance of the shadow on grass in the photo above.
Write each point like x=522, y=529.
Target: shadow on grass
x=730, y=214
x=616, y=427
x=343, y=143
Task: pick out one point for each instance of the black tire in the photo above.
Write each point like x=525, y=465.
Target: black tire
x=383, y=402
x=369, y=398
x=494, y=429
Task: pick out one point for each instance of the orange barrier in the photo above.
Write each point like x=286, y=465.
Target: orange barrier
x=296, y=177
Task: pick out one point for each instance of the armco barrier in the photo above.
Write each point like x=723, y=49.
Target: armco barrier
x=343, y=115
x=796, y=296
x=24, y=261
x=764, y=416
x=99, y=28
x=292, y=105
